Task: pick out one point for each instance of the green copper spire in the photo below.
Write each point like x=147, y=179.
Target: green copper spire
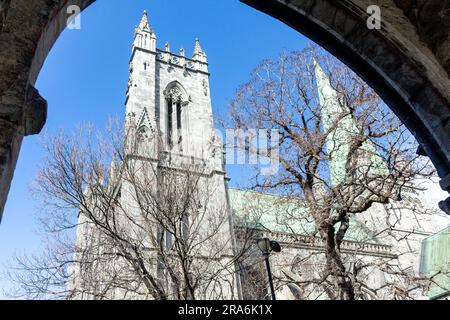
x=339, y=141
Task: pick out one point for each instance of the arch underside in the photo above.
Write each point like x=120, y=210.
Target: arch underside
x=405, y=62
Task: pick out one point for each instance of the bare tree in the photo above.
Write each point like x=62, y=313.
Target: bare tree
x=147, y=225
x=338, y=158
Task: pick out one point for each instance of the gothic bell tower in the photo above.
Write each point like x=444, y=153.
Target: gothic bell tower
x=141, y=91
x=168, y=95
x=169, y=115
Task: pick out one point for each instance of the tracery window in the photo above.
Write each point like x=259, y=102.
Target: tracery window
x=176, y=100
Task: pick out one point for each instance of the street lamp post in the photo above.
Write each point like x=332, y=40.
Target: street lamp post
x=267, y=246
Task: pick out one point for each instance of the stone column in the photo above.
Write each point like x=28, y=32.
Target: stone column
x=17, y=121
x=28, y=30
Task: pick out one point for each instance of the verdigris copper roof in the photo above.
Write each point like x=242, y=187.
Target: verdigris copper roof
x=435, y=263
x=284, y=214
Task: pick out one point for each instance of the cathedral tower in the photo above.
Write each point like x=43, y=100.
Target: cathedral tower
x=168, y=93
x=169, y=125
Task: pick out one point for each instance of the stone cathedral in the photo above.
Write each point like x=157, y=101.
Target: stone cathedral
x=169, y=127
x=168, y=97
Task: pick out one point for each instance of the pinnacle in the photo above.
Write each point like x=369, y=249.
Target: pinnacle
x=197, y=48
x=144, y=24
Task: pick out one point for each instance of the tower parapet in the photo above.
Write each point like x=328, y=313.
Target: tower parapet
x=198, y=62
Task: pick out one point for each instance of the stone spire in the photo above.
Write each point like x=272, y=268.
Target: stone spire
x=144, y=24
x=199, y=54
x=339, y=141
x=197, y=48
x=145, y=37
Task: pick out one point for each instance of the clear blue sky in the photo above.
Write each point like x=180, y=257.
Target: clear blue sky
x=85, y=76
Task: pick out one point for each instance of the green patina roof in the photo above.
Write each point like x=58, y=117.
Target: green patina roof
x=281, y=214
x=435, y=263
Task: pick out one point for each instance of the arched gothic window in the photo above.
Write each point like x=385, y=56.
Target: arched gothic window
x=176, y=100
x=142, y=136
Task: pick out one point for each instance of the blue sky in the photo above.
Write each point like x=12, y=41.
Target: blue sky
x=85, y=76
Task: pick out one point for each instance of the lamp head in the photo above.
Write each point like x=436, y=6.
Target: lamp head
x=263, y=245
x=266, y=245
x=275, y=246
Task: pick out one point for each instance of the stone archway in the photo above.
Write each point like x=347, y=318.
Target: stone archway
x=407, y=62
x=28, y=30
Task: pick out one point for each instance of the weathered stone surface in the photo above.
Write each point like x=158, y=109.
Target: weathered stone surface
x=431, y=19
x=28, y=30
x=10, y=141
x=34, y=113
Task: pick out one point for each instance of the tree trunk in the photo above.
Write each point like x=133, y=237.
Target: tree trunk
x=335, y=265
